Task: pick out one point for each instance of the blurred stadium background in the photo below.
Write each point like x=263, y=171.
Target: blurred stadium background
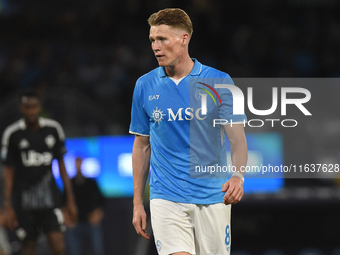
x=85, y=56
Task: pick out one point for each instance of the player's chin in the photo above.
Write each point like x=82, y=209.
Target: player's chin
x=161, y=64
x=32, y=119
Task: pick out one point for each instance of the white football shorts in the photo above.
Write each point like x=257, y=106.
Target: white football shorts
x=192, y=228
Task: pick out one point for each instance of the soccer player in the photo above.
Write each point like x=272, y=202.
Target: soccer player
x=32, y=198
x=173, y=112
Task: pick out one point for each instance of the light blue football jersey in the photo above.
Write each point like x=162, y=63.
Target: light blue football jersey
x=184, y=141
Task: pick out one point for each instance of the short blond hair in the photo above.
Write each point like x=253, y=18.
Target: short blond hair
x=173, y=17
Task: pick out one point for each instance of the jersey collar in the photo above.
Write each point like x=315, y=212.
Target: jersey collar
x=22, y=123
x=195, y=71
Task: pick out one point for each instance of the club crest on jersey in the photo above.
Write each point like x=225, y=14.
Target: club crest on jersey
x=24, y=144
x=157, y=115
x=159, y=245
x=50, y=141
x=198, y=95
x=153, y=97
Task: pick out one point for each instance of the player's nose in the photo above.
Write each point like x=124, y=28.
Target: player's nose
x=155, y=46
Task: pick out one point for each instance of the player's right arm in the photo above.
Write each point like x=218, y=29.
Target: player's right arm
x=141, y=153
x=8, y=151
x=11, y=220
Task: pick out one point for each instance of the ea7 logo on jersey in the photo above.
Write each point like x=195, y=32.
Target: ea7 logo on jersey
x=153, y=97
x=33, y=158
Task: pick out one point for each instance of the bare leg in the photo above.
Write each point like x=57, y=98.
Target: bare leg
x=56, y=242
x=29, y=247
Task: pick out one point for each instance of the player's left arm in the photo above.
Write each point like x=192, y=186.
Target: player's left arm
x=71, y=209
x=239, y=154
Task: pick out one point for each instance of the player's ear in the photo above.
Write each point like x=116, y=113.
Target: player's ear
x=185, y=39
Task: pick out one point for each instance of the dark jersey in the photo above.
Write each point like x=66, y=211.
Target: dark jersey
x=30, y=153
x=88, y=197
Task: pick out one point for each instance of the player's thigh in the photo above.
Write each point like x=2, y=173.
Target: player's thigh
x=27, y=230
x=56, y=242
x=172, y=227
x=52, y=224
x=29, y=247
x=212, y=229
x=52, y=221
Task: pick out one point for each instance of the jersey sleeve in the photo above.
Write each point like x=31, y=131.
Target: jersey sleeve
x=225, y=110
x=7, y=149
x=139, y=118
x=59, y=149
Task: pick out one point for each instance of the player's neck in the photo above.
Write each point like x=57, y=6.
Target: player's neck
x=32, y=125
x=180, y=70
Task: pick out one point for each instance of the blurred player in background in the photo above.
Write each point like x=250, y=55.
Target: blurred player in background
x=32, y=198
x=85, y=237
x=188, y=215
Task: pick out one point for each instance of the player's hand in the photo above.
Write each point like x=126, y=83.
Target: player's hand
x=10, y=218
x=71, y=211
x=67, y=219
x=96, y=216
x=234, y=190
x=139, y=221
